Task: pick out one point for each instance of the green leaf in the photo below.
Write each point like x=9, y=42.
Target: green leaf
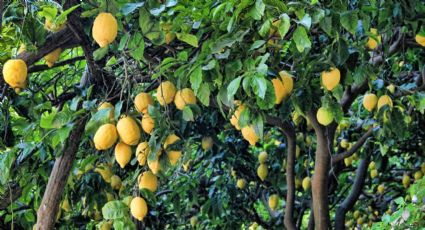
x=259, y=86
x=114, y=210
x=257, y=11
x=204, y=93
x=301, y=39
x=233, y=88
x=145, y=21
x=326, y=25
x=188, y=38
x=306, y=21
x=265, y=28
x=128, y=8
x=100, y=53
x=349, y=21
x=99, y=118
x=257, y=44
x=117, y=110
x=211, y=64
x=284, y=25
x=188, y=114
x=227, y=40
x=196, y=78
x=47, y=119
x=137, y=46
x=6, y=160
x=340, y=54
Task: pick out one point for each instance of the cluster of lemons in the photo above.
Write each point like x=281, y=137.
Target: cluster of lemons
x=129, y=134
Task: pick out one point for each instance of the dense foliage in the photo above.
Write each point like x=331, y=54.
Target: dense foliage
x=290, y=107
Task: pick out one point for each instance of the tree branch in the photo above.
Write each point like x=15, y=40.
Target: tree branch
x=290, y=178
x=354, y=148
x=39, y=68
x=351, y=199
x=46, y=214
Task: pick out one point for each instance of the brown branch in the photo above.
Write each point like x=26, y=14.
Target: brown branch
x=46, y=214
x=290, y=177
x=62, y=39
x=354, y=148
x=351, y=199
x=39, y=68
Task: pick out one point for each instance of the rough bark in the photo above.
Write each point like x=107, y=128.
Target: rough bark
x=351, y=199
x=46, y=214
x=290, y=179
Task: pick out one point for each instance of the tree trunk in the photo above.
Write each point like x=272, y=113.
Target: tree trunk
x=290, y=181
x=49, y=207
x=351, y=199
x=320, y=180
x=320, y=184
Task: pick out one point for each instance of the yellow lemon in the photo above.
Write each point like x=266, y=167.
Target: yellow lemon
x=241, y=183
x=128, y=130
x=288, y=82
x=138, y=208
x=418, y=175
x=15, y=73
x=105, y=137
x=324, y=116
x=165, y=93
x=371, y=42
x=122, y=154
x=52, y=57
x=331, y=78
x=369, y=101
x=142, y=102
x=154, y=166
x=306, y=183
x=148, y=123
x=207, y=143
x=105, y=172
x=262, y=171
x=279, y=90
x=372, y=165
x=234, y=120
x=373, y=173
x=148, y=181
x=262, y=157
x=381, y=189
x=273, y=201
x=142, y=152
x=105, y=29
x=249, y=134
x=116, y=182
x=184, y=97
x=344, y=143
x=173, y=155
x=385, y=100
x=420, y=39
